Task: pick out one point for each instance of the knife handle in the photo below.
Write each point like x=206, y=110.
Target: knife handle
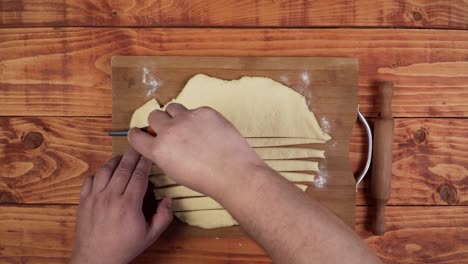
x=124, y=133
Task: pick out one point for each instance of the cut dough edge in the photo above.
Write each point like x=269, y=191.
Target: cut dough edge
x=289, y=153
x=205, y=212
x=278, y=141
x=161, y=180
x=140, y=119
x=277, y=165
x=292, y=165
x=207, y=219
x=202, y=203
x=182, y=191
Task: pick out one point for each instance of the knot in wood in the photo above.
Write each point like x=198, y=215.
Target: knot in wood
x=417, y=16
x=447, y=193
x=419, y=136
x=33, y=140
x=6, y=197
x=114, y=13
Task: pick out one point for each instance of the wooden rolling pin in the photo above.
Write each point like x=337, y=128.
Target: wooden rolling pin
x=382, y=157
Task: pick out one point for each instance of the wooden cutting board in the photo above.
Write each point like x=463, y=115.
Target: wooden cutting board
x=329, y=85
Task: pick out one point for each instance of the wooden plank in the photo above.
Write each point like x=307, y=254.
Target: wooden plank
x=44, y=160
x=415, y=234
x=430, y=161
x=66, y=71
x=231, y=13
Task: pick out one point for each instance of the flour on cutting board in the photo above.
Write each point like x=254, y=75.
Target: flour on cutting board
x=322, y=176
x=151, y=82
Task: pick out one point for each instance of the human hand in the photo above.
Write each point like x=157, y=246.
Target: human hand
x=111, y=227
x=197, y=148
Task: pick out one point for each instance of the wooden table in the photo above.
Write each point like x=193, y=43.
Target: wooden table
x=55, y=98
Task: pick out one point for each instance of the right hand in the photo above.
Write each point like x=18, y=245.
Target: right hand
x=197, y=148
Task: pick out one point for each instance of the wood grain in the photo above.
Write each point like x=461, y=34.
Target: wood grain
x=231, y=13
x=430, y=161
x=44, y=160
x=66, y=71
x=415, y=235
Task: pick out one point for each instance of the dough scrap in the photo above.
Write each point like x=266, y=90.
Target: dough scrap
x=207, y=219
x=162, y=180
x=155, y=169
x=298, y=176
x=278, y=141
x=242, y=102
x=293, y=165
x=194, y=204
x=140, y=116
x=175, y=192
x=203, y=203
x=182, y=191
x=288, y=153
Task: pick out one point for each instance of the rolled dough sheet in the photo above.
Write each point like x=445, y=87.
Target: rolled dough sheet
x=203, y=203
x=288, y=153
x=175, y=192
x=182, y=191
x=207, y=219
x=155, y=169
x=195, y=204
x=293, y=165
x=278, y=165
x=275, y=142
x=243, y=102
x=298, y=176
x=161, y=180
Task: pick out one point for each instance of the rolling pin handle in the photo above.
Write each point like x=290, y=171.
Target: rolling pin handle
x=379, y=225
x=382, y=157
x=385, y=98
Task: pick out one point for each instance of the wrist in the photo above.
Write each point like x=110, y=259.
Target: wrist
x=245, y=180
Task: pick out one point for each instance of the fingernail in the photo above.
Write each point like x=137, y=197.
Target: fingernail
x=128, y=134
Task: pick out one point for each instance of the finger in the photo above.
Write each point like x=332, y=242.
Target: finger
x=124, y=171
x=141, y=142
x=104, y=174
x=161, y=220
x=158, y=119
x=138, y=183
x=174, y=109
x=86, y=187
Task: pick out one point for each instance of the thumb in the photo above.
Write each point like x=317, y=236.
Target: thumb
x=161, y=219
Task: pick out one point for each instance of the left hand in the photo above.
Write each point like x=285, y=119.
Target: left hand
x=111, y=227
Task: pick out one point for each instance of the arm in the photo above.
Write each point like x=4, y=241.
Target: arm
x=202, y=150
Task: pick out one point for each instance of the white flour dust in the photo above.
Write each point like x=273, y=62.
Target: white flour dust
x=327, y=124
x=151, y=82
x=305, y=77
x=304, y=86
x=284, y=79
x=322, y=176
